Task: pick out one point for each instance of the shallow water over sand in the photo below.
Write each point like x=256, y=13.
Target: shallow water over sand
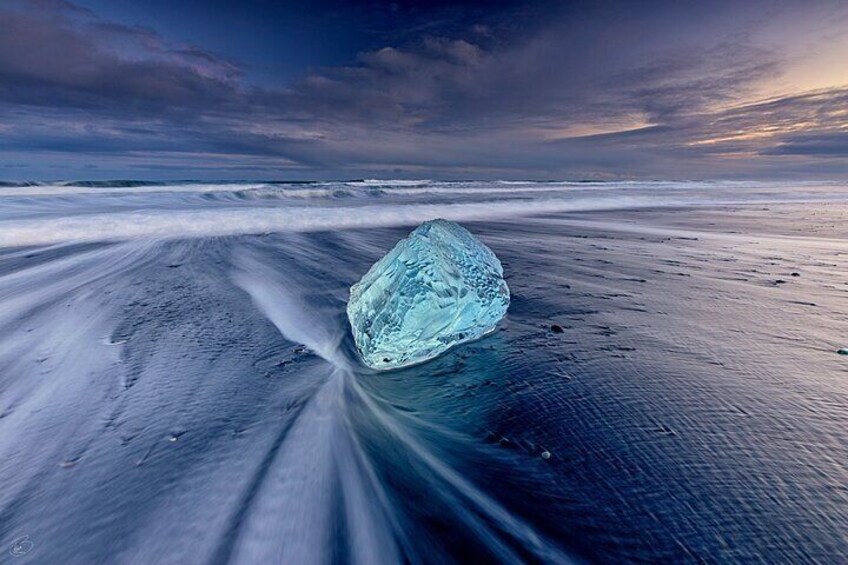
x=186, y=391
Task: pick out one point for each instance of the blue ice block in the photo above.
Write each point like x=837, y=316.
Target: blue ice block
x=437, y=288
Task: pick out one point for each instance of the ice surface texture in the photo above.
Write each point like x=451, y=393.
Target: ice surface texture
x=437, y=288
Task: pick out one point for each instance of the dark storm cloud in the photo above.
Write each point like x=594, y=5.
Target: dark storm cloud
x=824, y=144
x=597, y=91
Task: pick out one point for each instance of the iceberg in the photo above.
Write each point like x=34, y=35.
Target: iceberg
x=437, y=288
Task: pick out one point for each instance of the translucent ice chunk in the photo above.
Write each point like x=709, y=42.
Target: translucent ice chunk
x=435, y=289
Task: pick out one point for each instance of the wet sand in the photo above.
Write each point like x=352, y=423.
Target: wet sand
x=198, y=400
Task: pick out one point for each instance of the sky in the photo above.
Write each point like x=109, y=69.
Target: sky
x=334, y=89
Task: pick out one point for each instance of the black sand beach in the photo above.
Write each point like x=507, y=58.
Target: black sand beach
x=665, y=387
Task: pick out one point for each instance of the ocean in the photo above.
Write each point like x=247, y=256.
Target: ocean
x=178, y=383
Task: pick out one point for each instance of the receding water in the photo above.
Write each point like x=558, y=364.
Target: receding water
x=178, y=383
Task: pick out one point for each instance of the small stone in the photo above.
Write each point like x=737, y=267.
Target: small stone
x=546, y=455
x=796, y=274
x=557, y=329
x=843, y=351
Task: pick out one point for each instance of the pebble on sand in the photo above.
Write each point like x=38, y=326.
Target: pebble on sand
x=843, y=351
x=546, y=455
x=557, y=329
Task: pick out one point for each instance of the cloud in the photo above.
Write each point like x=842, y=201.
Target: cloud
x=834, y=144
x=69, y=58
x=587, y=95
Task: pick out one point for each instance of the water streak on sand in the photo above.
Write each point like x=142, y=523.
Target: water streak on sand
x=326, y=434
x=175, y=389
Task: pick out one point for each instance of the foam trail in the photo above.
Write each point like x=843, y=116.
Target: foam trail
x=322, y=463
x=56, y=318
x=205, y=223
x=294, y=519
x=71, y=190
x=280, y=303
x=155, y=406
x=468, y=501
x=319, y=464
x=42, y=215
